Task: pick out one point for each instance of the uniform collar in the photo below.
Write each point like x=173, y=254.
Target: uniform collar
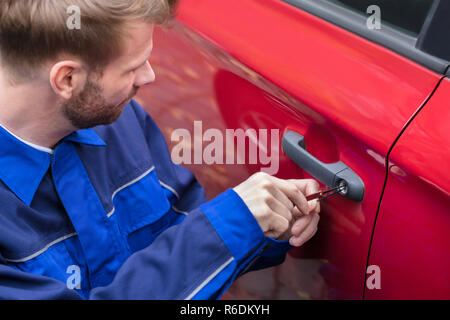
x=85, y=136
x=23, y=167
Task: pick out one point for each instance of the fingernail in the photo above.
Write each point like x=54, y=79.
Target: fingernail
x=294, y=242
x=291, y=241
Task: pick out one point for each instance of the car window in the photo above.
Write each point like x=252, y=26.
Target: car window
x=405, y=15
x=415, y=29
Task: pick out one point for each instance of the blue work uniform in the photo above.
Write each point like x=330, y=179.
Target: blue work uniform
x=108, y=215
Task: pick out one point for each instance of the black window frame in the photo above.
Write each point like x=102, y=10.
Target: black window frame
x=430, y=49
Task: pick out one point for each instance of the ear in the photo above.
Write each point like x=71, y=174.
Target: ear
x=67, y=77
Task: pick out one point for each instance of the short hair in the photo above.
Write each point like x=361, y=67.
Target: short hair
x=34, y=31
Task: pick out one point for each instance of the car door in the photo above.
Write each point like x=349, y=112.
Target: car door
x=410, y=240
x=312, y=68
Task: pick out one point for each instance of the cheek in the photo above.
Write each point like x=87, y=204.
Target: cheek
x=119, y=91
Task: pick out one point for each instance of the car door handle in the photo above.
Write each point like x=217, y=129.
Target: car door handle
x=330, y=174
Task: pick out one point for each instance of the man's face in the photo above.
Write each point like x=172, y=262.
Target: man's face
x=105, y=95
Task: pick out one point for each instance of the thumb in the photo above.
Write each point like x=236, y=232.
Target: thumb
x=308, y=187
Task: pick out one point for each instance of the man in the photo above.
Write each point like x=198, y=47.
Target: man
x=91, y=205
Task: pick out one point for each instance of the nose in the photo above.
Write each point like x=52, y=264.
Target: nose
x=145, y=75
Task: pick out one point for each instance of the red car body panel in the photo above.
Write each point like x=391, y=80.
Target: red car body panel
x=357, y=84
x=267, y=65
x=411, y=236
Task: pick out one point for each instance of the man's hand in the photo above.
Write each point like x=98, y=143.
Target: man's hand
x=280, y=206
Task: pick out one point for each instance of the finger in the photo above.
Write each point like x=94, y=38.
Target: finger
x=297, y=214
x=314, y=206
x=278, y=226
x=280, y=196
x=293, y=193
x=300, y=225
x=312, y=186
x=308, y=187
x=305, y=224
x=307, y=234
x=280, y=208
x=310, y=231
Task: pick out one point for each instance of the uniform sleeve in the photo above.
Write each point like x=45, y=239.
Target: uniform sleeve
x=196, y=259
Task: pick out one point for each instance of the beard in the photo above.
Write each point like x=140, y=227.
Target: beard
x=89, y=108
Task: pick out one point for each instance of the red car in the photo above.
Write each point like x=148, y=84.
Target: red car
x=357, y=94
